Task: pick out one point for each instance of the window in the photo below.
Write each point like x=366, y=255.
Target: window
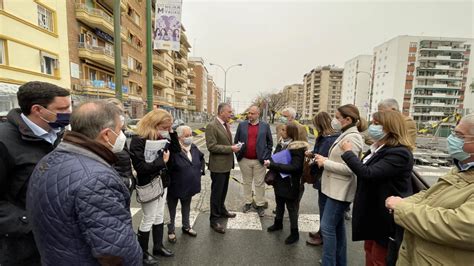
x=2, y=52
x=49, y=63
x=133, y=15
x=413, y=44
x=45, y=18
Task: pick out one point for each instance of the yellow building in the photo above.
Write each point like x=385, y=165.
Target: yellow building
x=33, y=42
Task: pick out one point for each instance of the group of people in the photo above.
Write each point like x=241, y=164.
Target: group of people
x=65, y=194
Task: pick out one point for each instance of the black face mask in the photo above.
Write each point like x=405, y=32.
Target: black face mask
x=62, y=120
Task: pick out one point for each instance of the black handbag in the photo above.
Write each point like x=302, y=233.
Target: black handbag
x=270, y=177
x=418, y=183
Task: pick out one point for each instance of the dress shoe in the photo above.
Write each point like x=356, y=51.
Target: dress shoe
x=164, y=252
x=314, y=234
x=314, y=241
x=218, y=228
x=229, y=215
x=190, y=232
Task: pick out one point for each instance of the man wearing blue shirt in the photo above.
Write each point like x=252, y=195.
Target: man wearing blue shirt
x=30, y=132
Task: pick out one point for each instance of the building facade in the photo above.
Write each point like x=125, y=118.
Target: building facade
x=428, y=76
x=321, y=91
x=199, y=80
x=293, y=97
x=211, y=96
x=356, y=83
x=33, y=46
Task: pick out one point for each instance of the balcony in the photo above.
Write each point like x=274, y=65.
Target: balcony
x=181, y=105
x=160, y=100
x=183, y=50
x=440, y=58
x=436, y=95
x=100, y=88
x=159, y=61
x=110, y=3
x=96, y=19
x=442, y=48
x=429, y=114
x=180, y=91
x=440, y=77
x=191, y=107
x=181, y=63
x=160, y=81
x=191, y=73
x=99, y=54
x=180, y=76
x=191, y=96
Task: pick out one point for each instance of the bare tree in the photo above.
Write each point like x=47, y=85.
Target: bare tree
x=272, y=102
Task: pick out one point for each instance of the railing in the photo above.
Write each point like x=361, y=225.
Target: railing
x=97, y=49
x=95, y=12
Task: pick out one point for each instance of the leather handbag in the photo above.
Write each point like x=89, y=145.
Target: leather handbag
x=150, y=191
x=308, y=177
x=270, y=177
x=418, y=183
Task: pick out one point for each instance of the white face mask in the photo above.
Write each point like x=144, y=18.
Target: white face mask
x=119, y=142
x=188, y=141
x=164, y=134
x=335, y=124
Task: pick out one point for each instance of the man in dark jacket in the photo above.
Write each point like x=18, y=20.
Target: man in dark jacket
x=29, y=134
x=257, y=146
x=79, y=205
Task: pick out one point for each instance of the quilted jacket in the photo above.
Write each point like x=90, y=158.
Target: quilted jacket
x=80, y=210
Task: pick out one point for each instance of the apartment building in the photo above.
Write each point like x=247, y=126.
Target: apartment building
x=356, y=83
x=428, y=76
x=321, y=91
x=33, y=46
x=211, y=96
x=293, y=97
x=199, y=79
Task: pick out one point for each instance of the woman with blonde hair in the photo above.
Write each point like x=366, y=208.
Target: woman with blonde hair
x=155, y=125
x=385, y=170
x=338, y=184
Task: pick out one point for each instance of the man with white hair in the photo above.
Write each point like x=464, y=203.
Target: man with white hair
x=289, y=115
x=439, y=221
x=392, y=105
x=186, y=165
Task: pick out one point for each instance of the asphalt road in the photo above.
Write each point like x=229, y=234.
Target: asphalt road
x=246, y=241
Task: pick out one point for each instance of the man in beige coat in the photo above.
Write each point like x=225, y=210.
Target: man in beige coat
x=221, y=161
x=439, y=222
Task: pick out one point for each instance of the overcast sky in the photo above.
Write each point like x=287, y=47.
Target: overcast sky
x=279, y=41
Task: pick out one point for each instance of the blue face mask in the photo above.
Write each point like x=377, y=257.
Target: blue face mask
x=455, y=148
x=62, y=119
x=283, y=120
x=376, y=132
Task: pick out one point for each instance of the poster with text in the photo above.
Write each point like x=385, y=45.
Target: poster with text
x=167, y=31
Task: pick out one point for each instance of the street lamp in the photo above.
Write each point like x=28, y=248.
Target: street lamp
x=225, y=75
x=371, y=88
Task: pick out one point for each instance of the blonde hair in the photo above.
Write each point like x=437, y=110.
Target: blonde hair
x=394, y=125
x=146, y=128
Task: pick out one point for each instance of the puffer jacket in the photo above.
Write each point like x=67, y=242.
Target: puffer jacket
x=80, y=210
x=439, y=222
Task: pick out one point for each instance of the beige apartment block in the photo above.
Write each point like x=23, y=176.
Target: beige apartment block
x=322, y=91
x=33, y=46
x=211, y=96
x=199, y=79
x=293, y=97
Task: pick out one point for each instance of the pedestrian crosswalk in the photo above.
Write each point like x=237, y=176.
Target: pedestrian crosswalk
x=248, y=221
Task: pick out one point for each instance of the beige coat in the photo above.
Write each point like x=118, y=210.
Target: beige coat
x=221, y=157
x=439, y=222
x=338, y=181
x=411, y=128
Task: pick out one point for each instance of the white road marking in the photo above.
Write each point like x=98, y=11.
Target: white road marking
x=245, y=221
x=134, y=211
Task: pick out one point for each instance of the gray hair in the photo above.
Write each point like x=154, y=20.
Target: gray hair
x=389, y=104
x=90, y=118
x=291, y=111
x=469, y=119
x=180, y=130
x=221, y=107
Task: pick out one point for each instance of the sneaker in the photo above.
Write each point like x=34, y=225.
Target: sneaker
x=260, y=211
x=246, y=208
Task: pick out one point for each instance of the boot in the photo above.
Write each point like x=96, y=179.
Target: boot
x=293, y=237
x=158, y=248
x=143, y=238
x=277, y=225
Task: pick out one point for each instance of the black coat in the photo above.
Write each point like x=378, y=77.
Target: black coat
x=289, y=187
x=145, y=171
x=386, y=173
x=185, y=176
x=20, y=151
x=123, y=166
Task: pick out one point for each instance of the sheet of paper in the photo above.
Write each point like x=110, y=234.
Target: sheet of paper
x=152, y=148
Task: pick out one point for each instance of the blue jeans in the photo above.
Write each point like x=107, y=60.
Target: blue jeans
x=333, y=231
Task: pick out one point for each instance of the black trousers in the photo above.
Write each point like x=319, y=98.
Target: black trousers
x=19, y=250
x=219, y=186
x=185, y=211
x=292, y=206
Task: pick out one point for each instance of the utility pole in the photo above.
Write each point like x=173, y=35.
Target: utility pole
x=149, y=58
x=117, y=50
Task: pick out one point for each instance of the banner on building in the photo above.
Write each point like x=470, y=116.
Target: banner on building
x=167, y=31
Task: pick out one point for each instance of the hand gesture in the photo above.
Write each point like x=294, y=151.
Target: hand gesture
x=346, y=145
x=320, y=160
x=235, y=148
x=309, y=154
x=391, y=202
x=166, y=156
x=266, y=163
